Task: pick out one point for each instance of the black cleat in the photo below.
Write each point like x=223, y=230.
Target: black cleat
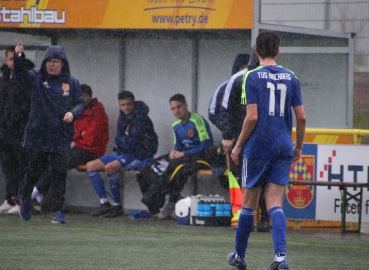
x=104, y=209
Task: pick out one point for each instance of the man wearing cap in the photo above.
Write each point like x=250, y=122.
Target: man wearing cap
x=56, y=102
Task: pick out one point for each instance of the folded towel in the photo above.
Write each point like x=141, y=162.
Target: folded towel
x=139, y=214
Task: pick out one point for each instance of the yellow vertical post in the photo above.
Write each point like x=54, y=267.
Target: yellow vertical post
x=356, y=137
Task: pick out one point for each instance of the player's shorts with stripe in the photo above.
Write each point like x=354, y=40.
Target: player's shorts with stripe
x=256, y=172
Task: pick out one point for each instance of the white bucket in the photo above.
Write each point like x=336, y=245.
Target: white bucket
x=183, y=207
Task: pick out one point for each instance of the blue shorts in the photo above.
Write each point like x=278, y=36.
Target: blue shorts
x=256, y=172
x=126, y=161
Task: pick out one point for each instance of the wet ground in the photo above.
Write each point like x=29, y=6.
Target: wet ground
x=315, y=232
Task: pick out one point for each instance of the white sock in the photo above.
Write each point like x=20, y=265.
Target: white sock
x=237, y=257
x=35, y=193
x=40, y=198
x=103, y=200
x=279, y=257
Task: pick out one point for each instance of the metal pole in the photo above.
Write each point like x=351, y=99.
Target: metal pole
x=195, y=74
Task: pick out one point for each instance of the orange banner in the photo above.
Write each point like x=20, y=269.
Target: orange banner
x=128, y=14
x=326, y=139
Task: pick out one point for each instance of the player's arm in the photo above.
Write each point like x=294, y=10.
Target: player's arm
x=247, y=128
x=177, y=151
x=300, y=132
x=227, y=121
x=21, y=71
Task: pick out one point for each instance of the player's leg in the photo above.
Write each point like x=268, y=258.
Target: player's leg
x=277, y=181
x=93, y=167
x=58, y=164
x=37, y=165
x=251, y=176
x=11, y=167
x=96, y=165
x=264, y=224
x=178, y=170
x=112, y=169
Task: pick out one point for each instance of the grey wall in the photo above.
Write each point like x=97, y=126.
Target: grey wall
x=325, y=98
x=155, y=69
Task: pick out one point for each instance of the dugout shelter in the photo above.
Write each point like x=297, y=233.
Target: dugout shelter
x=156, y=48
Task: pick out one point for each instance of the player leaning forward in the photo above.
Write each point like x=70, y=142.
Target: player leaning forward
x=270, y=92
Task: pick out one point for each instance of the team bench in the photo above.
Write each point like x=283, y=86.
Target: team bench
x=82, y=168
x=345, y=197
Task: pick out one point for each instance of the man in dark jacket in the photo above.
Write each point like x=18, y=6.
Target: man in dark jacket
x=56, y=102
x=232, y=112
x=15, y=104
x=136, y=144
x=214, y=110
x=232, y=115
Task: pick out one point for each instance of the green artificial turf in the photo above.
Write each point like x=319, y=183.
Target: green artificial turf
x=87, y=243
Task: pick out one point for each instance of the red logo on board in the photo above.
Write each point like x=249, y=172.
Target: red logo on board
x=301, y=196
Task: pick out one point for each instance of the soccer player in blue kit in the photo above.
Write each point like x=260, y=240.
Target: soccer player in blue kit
x=270, y=92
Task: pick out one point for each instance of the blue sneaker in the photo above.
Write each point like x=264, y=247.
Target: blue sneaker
x=58, y=218
x=279, y=265
x=24, y=211
x=238, y=262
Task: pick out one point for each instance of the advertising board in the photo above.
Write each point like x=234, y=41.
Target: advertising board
x=128, y=14
x=341, y=163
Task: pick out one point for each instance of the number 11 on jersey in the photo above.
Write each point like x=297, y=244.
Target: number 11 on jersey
x=281, y=87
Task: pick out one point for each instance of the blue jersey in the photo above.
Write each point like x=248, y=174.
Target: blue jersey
x=194, y=136
x=276, y=91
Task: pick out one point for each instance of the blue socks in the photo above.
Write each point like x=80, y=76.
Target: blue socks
x=97, y=183
x=114, y=185
x=246, y=223
x=243, y=230
x=279, y=228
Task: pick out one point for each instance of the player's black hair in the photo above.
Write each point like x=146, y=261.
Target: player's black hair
x=267, y=44
x=86, y=89
x=178, y=97
x=126, y=95
x=8, y=50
